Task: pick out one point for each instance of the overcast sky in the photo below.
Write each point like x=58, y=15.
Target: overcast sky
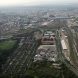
x=36, y=2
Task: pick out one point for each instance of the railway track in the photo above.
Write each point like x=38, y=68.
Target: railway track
x=63, y=59
x=22, y=58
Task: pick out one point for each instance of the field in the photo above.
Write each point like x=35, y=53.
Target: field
x=6, y=45
x=6, y=48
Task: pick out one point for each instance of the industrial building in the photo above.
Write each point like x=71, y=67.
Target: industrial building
x=48, y=38
x=47, y=52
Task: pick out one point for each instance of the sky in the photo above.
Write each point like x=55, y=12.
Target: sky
x=36, y=2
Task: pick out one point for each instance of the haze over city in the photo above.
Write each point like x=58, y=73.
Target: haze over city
x=36, y=2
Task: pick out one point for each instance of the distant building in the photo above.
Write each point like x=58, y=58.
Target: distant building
x=44, y=23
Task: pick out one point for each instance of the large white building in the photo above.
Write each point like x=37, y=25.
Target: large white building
x=63, y=45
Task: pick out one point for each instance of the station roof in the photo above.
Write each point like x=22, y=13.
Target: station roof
x=63, y=44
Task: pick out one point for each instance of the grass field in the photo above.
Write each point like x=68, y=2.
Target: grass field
x=5, y=45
